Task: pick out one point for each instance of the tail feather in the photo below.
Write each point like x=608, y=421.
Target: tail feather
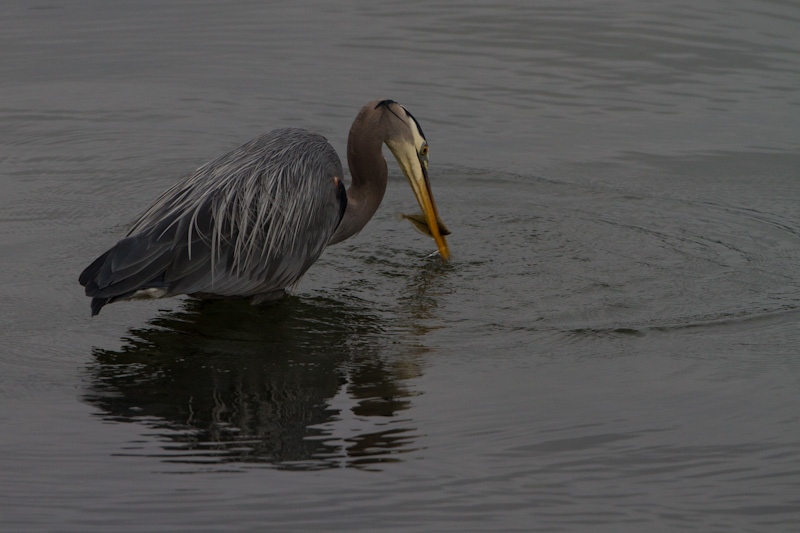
x=118, y=274
x=97, y=304
x=90, y=273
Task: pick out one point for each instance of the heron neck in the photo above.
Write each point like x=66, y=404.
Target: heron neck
x=368, y=174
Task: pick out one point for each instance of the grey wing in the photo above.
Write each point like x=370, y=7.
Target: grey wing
x=249, y=223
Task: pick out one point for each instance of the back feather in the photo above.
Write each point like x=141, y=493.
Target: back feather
x=248, y=223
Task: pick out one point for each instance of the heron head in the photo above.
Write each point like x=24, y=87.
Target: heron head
x=406, y=141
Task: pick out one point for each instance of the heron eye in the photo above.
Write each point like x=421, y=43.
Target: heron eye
x=424, y=150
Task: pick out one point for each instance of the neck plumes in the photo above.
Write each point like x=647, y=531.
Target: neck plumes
x=367, y=170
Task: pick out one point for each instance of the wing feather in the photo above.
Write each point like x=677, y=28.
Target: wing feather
x=246, y=224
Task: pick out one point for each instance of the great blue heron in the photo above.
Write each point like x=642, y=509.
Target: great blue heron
x=250, y=223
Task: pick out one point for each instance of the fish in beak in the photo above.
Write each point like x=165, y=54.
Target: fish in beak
x=414, y=164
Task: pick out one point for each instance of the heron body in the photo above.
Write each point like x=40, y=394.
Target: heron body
x=251, y=222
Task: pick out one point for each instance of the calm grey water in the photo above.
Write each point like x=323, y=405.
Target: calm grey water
x=614, y=346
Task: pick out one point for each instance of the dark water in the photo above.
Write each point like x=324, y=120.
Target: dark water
x=614, y=347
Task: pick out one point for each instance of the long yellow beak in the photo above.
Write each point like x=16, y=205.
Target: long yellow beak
x=426, y=203
x=416, y=172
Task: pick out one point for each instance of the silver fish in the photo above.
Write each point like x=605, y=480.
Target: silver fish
x=421, y=225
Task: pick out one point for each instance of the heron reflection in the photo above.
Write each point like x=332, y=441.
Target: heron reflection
x=223, y=381
x=250, y=223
